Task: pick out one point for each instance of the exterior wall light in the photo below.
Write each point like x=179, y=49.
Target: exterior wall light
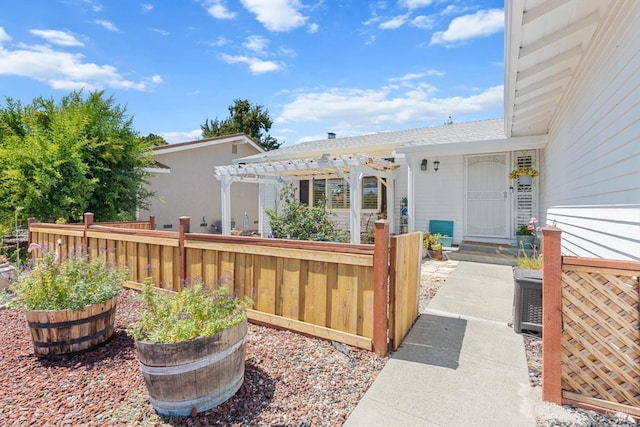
x=436, y=165
x=423, y=165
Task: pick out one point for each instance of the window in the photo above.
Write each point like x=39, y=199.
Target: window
x=319, y=192
x=338, y=194
x=370, y=192
x=335, y=193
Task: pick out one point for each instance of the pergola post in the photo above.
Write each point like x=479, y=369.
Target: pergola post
x=391, y=194
x=261, y=190
x=225, y=203
x=355, y=203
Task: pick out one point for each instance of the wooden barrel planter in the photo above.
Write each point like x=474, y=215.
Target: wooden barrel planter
x=197, y=374
x=64, y=332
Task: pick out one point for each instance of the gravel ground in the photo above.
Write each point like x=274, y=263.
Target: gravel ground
x=290, y=380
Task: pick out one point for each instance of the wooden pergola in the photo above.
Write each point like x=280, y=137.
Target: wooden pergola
x=352, y=168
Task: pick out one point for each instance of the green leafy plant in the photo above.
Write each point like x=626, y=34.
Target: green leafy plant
x=188, y=314
x=529, y=262
x=430, y=240
x=533, y=261
x=71, y=284
x=302, y=222
x=524, y=230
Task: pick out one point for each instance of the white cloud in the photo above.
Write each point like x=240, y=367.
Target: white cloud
x=160, y=31
x=4, y=37
x=394, y=23
x=287, y=52
x=220, y=41
x=371, y=108
x=256, y=44
x=423, y=22
x=276, y=15
x=57, y=37
x=313, y=28
x=415, y=4
x=218, y=9
x=64, y=70
x=175, y=137
x=416, y=76
x=256, y=65
x=146, y=7
x=462, y=28
x=108, y=25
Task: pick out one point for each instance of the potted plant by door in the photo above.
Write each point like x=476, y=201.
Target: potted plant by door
x=436, y=251
x=70, y=305
x=524, y=237
x=191, y=348
x=527, y=275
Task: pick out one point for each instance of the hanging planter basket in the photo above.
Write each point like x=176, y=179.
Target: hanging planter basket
x=524, y=175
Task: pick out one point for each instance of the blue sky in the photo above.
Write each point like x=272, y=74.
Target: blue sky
x=350, y=67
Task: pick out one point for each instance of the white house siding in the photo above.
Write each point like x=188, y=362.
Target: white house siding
x=590, y=175
x=192, y=190
x=439, y=195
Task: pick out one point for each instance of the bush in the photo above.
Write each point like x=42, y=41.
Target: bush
x=186, y=315
x=71, y=284
x=301, y=222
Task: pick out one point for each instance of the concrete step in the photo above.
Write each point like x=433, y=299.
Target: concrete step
x=481, y=256
x=485, y=253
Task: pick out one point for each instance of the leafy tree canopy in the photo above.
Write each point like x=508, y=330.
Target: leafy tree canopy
x=154, y=140
x=244, y=117
x=59, y=160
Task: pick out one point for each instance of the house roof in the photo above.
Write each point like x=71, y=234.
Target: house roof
x=385, y=143
x=238, y=138
x=546, y=45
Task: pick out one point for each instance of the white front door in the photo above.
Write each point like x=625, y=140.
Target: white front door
x=487, y=205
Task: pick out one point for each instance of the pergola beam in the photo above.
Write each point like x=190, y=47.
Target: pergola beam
x=351, y=168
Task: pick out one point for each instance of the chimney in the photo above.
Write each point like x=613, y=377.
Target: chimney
x=331, y=135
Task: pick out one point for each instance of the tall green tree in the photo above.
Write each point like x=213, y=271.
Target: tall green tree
x=244, y=117
x=59, y=160
x=154, y=140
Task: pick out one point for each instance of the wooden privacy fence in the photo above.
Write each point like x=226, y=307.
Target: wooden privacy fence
x=591, y=324
x=334, y=291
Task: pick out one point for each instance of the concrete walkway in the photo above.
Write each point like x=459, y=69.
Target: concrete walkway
x=460, y=365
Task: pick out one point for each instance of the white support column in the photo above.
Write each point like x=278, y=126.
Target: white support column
x=355, y=201
x=391, y=203
x=261, y=196
x=225, y=203
x=411, y=194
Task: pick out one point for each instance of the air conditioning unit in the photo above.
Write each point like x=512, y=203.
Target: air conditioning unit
x=527, y=301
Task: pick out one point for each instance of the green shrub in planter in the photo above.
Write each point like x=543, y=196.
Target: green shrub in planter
x=70, y=306
x=70, y=284
x=191, y=348
x=189, y=314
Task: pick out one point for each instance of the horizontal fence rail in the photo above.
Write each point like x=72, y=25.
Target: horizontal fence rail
x=329, y=290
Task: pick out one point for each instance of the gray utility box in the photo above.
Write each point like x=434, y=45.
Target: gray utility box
x=527, y=300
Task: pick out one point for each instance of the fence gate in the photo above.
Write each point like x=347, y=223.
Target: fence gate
x=404, y=285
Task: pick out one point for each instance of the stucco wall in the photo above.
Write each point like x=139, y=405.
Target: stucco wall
x=191, y=188
x=590, y=175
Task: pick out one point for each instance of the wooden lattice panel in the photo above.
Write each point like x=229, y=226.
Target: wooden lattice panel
x=601, y=338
